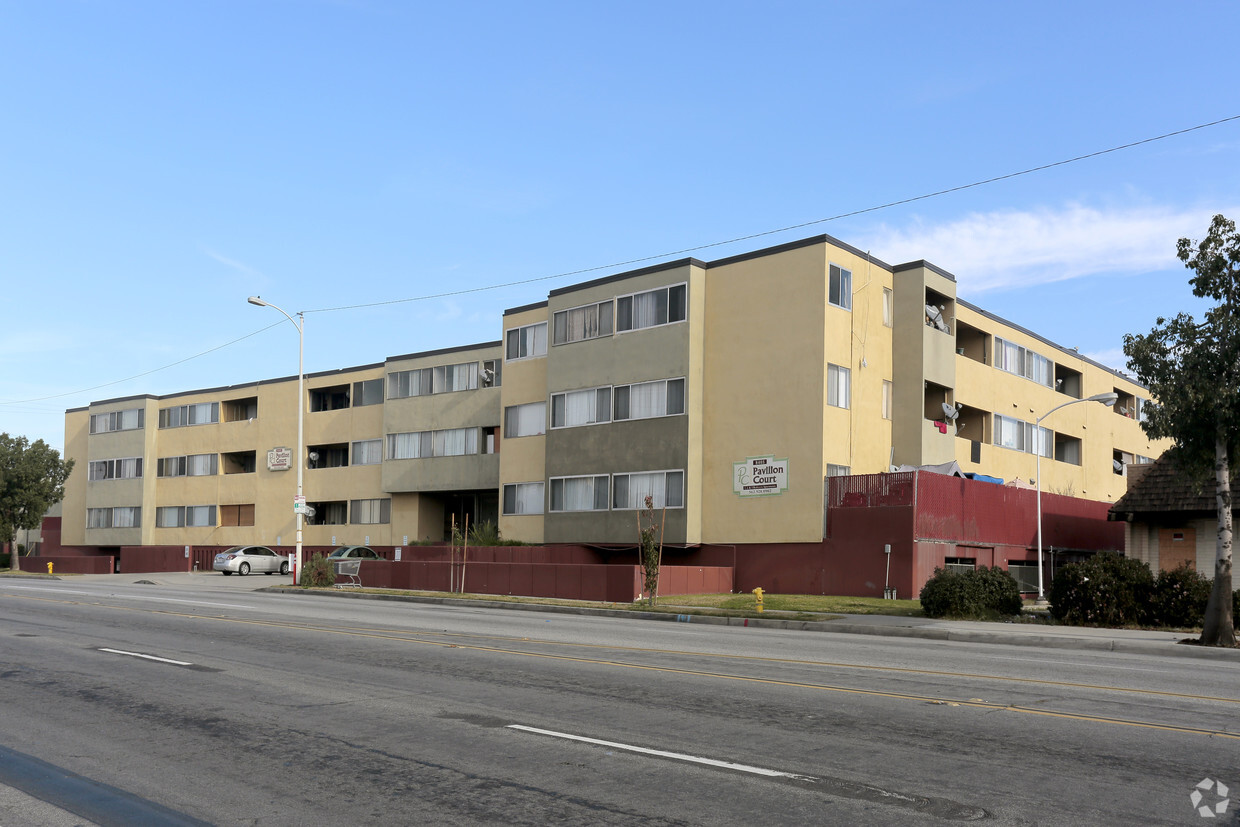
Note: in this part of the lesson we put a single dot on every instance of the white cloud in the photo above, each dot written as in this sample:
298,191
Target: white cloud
1014,248
233,263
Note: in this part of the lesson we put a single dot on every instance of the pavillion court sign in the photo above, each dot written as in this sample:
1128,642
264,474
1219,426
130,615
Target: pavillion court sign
760,477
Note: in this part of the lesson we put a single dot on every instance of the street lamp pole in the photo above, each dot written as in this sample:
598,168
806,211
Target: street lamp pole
1108,399
299,505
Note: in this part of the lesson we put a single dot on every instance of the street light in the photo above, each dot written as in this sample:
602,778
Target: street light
1108,399
299,504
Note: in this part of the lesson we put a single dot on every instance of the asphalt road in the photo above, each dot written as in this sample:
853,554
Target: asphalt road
201,701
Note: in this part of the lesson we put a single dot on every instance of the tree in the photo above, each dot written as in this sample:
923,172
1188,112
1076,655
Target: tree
1193,371
650,548
32,480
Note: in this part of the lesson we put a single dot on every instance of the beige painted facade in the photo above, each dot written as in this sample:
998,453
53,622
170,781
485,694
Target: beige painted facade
728,391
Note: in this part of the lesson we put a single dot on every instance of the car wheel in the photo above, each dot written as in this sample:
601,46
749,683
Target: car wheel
243,569
284,568
226,573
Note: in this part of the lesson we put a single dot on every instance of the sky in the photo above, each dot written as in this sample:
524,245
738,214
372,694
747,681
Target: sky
404,172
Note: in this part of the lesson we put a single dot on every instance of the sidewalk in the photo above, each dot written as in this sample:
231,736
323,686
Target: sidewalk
1133,641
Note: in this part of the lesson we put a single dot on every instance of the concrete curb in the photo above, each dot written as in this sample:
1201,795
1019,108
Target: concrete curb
1007,638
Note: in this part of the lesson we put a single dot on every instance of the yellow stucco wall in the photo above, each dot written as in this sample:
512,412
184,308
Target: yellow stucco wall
523,459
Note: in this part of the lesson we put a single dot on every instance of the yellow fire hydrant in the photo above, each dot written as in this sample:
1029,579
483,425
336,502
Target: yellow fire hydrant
758,593
49,568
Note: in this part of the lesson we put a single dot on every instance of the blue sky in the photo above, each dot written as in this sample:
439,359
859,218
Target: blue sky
159,162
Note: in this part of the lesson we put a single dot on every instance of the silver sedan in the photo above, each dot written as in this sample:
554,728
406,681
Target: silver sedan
245,559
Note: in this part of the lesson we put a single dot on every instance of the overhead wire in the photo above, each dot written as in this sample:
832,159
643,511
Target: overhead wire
665,255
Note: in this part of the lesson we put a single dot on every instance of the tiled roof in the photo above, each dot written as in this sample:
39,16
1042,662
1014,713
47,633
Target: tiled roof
1162,487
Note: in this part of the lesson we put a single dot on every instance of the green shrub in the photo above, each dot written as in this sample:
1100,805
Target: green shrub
318,573
1180,597
485,533
981,593
1106,590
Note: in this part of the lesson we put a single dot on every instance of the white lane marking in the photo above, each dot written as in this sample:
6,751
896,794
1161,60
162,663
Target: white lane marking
147,657
710,762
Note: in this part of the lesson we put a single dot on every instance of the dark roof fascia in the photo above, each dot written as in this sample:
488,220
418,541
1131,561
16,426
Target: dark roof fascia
914,265
1066,351
442,351
525,307
630,274
117,399
796,245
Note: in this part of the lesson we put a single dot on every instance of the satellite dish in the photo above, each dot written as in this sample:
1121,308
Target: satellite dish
488,376
935,317
893,469
950,412
314,456
1118,466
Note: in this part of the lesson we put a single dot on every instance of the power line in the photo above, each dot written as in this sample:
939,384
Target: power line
789,228
632,261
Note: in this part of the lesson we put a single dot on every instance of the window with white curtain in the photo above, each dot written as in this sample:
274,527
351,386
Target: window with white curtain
368,452
526,342
121,516
664,488
203,413
194,465
888,307
643,400
838,470
584,407
405,383
450,378
839,288
370,512
652,308
368,392
838,382
886,399
175,516
579,493
129,420
453,442
525,420
523,498
128,468
1013,358
581,323
1023,436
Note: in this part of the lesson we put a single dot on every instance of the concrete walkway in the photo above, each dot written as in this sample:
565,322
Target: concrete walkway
1136,641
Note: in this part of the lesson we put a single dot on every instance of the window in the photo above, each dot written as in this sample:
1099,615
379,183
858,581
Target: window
371,512
1143,406
1067,449
368,452
1016,359
492,373
525,420
334,512
368,392
838,381
886,399
240,462
652,308
123,516
1023,436
238,410
838,470
194,465
663,397
664,488
129,468
409,383
451,378
527,342
523,498
203,413
237,514
331,455
190,516
579,493
335,398
129,420
582,323
584,407
449,443
888,307
839,288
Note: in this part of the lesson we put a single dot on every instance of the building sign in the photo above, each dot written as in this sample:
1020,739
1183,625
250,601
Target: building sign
279,459
760,475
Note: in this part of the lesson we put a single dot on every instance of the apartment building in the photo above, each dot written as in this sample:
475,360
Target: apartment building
726,392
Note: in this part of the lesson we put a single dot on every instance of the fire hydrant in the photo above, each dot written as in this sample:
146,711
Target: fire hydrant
49,568
758,593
